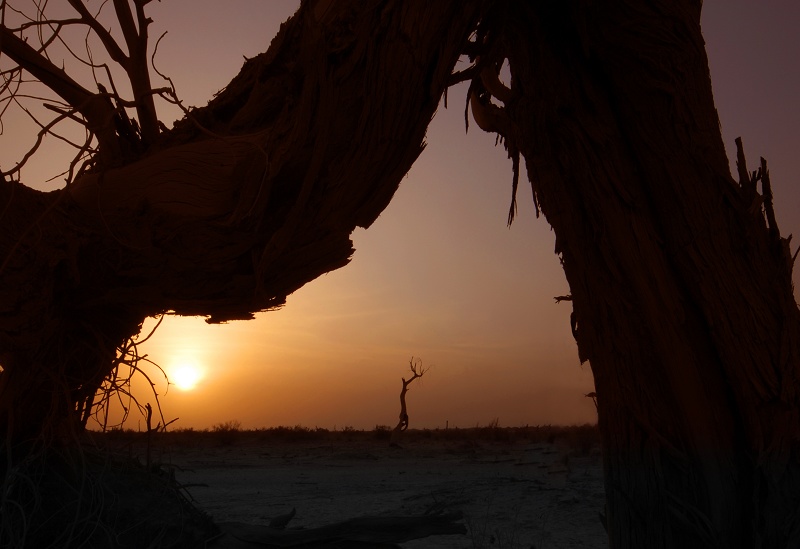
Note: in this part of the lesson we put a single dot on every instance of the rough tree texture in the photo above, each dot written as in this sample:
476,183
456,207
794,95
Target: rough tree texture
681,291
232,210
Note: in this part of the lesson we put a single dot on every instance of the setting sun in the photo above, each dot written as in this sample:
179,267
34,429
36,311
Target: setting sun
186,376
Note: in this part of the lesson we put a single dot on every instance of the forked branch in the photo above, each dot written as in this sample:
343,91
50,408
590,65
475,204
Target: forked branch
97,110
135,62
137,69
103,113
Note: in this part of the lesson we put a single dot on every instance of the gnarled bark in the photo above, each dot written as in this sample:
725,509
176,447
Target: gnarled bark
238,206
681,292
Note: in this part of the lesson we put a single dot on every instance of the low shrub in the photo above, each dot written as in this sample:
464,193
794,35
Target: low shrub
382,432
291,434
227,432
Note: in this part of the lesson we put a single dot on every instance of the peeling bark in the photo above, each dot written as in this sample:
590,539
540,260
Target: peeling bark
238,206
682,297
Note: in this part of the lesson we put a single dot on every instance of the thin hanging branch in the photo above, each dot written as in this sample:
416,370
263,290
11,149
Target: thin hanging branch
487,55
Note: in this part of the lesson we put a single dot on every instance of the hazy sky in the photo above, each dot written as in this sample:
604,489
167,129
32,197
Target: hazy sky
439,275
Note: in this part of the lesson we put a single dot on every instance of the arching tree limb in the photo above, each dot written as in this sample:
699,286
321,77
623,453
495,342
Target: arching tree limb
236,207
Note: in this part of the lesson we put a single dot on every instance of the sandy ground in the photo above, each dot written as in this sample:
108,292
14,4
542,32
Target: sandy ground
512,494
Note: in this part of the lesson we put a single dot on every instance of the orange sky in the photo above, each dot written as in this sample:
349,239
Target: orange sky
439,275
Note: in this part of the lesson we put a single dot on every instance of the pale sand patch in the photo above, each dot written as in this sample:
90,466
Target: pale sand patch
512,494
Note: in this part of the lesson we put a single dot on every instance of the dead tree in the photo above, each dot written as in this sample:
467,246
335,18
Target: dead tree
679,276
415,365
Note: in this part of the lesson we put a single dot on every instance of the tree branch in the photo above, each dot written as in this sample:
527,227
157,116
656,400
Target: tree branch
183,228
98,112
137,69
125,18
42,69
105,37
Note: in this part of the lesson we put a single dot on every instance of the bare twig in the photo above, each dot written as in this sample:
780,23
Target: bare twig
46,129
26,42
97,111
105,37
118,383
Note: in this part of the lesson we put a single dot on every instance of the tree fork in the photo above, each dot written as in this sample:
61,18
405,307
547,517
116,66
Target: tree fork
96,109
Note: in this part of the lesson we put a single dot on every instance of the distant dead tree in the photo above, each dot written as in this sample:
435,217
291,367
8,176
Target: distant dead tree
415,364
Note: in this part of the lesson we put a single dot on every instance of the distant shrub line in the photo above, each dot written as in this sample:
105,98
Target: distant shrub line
581,438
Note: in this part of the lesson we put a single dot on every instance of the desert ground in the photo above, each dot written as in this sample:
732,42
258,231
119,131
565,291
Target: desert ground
530,487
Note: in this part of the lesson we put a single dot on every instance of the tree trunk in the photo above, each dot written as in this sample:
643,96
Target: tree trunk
239,205
681,291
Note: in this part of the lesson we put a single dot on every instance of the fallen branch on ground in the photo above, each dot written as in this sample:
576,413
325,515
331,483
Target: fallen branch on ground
369,531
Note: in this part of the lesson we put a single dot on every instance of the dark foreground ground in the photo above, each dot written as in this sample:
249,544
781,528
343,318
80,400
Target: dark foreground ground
516,487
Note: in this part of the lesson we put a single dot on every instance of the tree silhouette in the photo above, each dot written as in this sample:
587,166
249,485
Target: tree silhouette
415,365
680,280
